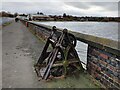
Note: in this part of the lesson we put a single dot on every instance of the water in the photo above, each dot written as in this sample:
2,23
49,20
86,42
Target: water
101,29
5,19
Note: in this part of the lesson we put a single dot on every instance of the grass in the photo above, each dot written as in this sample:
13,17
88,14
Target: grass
81,81
6,24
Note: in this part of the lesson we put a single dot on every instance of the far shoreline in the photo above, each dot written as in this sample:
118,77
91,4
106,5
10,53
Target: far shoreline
73,21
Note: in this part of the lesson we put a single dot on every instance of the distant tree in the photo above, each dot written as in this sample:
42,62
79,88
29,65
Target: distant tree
3,13
24,14
41,13
38,13
6,14
10,15
15,14
64,15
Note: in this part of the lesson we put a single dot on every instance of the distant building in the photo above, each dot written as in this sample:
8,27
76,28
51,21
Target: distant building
40,17
21,17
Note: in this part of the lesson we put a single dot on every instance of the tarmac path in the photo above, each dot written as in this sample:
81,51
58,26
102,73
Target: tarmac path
17,61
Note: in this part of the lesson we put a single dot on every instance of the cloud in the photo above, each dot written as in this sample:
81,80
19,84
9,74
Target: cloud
32,7
60,0
96,8
112,6
82,5
60,7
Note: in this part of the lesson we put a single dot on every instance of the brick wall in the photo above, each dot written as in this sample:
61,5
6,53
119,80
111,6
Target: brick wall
104,67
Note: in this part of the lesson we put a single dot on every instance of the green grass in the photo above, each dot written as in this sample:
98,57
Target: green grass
6,24
83,81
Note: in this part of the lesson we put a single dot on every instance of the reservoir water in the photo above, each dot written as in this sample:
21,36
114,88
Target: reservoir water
100,29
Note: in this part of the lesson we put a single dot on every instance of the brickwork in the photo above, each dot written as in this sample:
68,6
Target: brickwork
104,67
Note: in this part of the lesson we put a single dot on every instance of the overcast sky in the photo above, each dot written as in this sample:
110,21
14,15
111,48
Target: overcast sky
58,7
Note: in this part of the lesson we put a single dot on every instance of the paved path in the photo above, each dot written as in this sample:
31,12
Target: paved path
20,50
17,65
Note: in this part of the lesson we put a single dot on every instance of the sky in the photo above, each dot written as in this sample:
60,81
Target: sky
58,7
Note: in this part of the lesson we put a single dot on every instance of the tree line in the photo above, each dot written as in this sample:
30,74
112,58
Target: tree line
8,14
